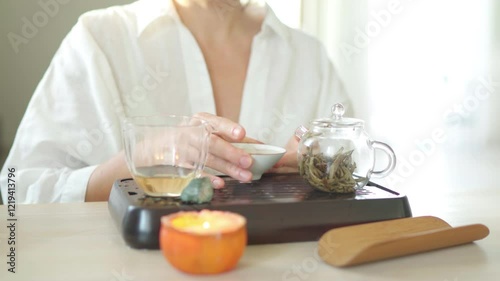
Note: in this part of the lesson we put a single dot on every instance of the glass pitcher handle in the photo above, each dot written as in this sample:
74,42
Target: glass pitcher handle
392,159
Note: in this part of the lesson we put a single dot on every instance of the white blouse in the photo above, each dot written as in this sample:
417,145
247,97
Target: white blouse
139,59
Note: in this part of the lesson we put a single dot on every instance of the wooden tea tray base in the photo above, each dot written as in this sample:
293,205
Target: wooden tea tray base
279,208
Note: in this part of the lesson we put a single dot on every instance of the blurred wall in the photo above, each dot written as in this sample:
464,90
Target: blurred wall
332,21
31,31
494,109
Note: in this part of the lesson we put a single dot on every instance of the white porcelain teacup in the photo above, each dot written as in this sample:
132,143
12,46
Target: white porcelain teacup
264,157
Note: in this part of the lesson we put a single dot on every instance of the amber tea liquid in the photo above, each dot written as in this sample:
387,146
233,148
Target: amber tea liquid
163,180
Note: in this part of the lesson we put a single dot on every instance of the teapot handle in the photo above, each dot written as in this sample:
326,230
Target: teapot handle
300,132
392,159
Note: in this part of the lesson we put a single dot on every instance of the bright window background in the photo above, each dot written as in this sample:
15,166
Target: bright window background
416,71
419,68
424,66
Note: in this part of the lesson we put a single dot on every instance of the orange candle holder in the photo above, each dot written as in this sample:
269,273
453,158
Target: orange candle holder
205,242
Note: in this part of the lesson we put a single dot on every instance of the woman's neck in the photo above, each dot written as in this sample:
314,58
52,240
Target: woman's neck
216,19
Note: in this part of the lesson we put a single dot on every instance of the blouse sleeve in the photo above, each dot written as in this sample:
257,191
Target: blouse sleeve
69,126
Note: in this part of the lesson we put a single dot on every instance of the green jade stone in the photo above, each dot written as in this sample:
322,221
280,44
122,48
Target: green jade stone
198,191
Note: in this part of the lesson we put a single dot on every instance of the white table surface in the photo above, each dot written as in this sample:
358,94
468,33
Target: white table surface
81,242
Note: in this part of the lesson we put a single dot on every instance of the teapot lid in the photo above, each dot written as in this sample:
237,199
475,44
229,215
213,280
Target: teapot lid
337,119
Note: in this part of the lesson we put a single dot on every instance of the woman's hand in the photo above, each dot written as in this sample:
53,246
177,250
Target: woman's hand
288,163
223,156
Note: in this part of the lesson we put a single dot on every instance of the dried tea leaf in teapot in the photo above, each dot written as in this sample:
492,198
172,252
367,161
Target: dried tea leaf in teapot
331,174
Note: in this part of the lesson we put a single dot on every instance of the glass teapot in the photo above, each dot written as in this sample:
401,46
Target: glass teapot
336,154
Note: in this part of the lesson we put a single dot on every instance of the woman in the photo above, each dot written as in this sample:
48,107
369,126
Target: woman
235,65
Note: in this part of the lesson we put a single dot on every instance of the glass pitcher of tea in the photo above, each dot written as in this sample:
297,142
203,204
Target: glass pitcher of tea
165,152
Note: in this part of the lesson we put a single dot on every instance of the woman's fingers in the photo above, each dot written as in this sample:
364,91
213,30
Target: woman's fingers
224,127
228,159
283,170
216,181
223,156
228,168
224,150
251,140
287,164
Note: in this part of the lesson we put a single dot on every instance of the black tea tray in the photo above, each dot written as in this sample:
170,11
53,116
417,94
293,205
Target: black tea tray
279,208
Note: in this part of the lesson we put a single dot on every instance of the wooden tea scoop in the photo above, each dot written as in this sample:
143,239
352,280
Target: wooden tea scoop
369,242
